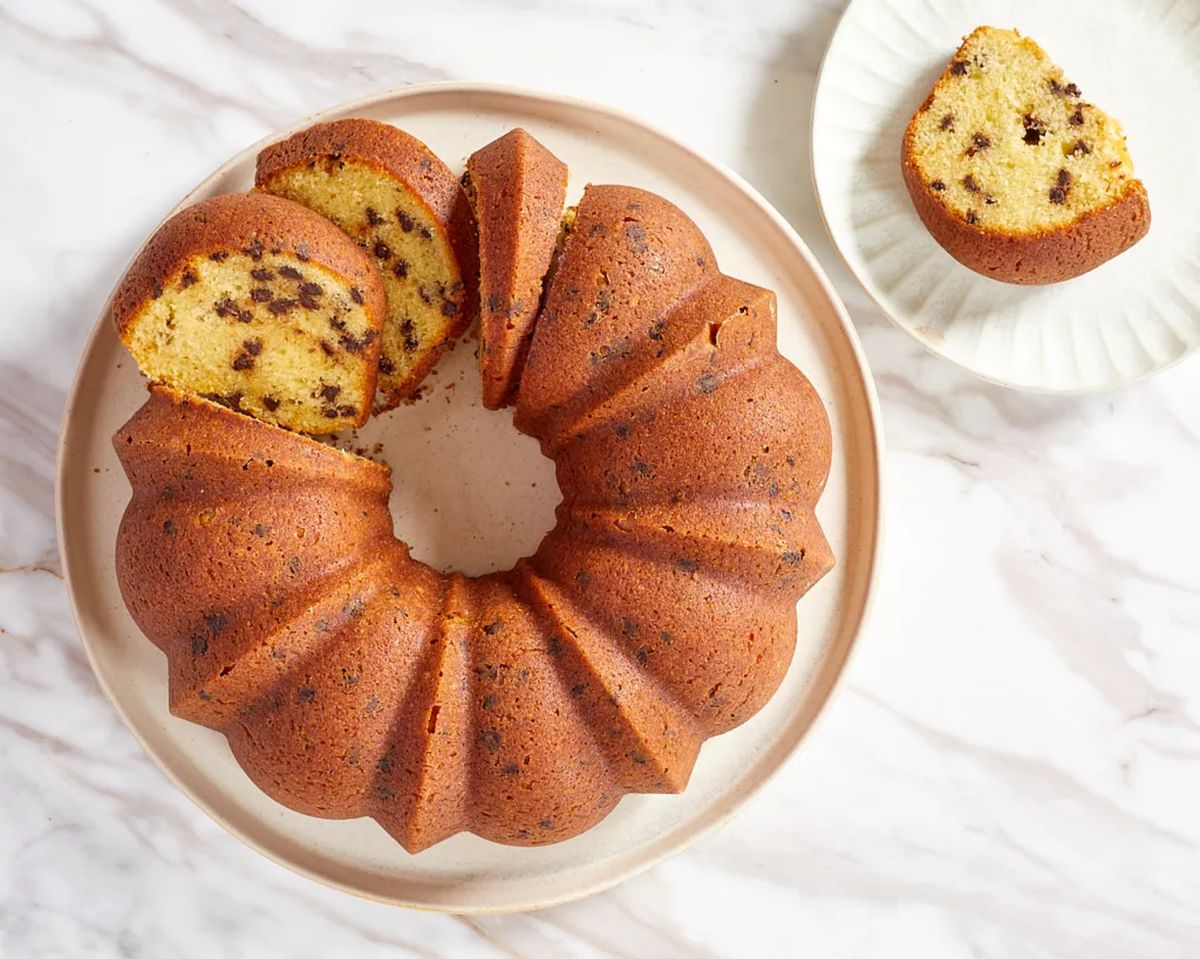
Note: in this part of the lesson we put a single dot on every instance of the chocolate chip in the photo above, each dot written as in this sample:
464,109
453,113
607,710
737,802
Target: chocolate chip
510,769
971,217
260,530
386,365
356,344
1035,129
1076,118
187,279
493,627
1071,90
426,296
289,272
958,68
348,411
707,384
294,565
168,527
687,565
330,392
199,645
155,288
1080,149
281,305
312,289
947,122
489,739
426,233
243,361
970,184
937,186
793,557
449,308
555,646
1064,178
253,347
302,252
305,694
978,142
382,250
254,250
356,295
330,412
309,302
218,256
583,579
400,268
260,294
635,233
216,622
262,274
373,216
406,222
270,403
328,348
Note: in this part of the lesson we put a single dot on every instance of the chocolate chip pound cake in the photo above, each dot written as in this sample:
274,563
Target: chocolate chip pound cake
261,304
517,188
1014,173
404,206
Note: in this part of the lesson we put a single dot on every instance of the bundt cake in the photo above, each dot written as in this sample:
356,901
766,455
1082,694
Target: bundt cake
1013,173
260,303
352,680
404,206
517,188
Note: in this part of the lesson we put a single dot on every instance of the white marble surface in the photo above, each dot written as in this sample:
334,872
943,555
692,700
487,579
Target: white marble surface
1012,768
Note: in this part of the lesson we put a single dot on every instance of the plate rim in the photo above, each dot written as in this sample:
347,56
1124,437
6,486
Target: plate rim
868,286
825,681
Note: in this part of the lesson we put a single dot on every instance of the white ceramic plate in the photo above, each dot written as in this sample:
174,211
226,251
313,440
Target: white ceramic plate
497,503
1136,314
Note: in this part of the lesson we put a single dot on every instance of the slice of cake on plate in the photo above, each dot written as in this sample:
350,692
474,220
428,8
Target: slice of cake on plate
1014,173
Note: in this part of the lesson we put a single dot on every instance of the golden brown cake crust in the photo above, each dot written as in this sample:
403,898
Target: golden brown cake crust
517,188
235,223
403,157
351,680
1037,258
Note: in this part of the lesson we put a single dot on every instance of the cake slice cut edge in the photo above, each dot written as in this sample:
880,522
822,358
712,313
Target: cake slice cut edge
1014,173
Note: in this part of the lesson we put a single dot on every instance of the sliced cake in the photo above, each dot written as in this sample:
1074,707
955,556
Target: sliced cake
517,188
261,304
402,204
1014,173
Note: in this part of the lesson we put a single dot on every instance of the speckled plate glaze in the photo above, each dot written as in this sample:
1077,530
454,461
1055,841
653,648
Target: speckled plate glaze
1139,313
496,506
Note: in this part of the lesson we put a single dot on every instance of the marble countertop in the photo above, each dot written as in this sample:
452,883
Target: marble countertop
1012,768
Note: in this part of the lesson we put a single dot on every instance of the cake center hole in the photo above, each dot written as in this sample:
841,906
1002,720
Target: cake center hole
469,492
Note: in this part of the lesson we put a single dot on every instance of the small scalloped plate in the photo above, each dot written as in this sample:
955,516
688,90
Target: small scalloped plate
498,504
1139,313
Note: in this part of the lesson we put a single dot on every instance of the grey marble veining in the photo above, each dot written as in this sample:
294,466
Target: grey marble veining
1012,768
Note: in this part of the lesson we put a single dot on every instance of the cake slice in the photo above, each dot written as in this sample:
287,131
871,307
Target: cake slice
1014,173
261,304
404,206
517,188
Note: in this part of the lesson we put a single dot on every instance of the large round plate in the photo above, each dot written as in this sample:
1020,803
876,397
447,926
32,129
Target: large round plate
448,434
1136,314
